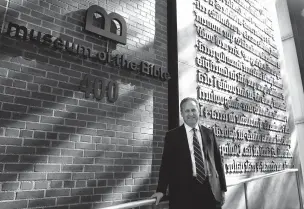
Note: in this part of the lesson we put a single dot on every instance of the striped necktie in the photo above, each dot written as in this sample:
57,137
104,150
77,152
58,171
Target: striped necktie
200,167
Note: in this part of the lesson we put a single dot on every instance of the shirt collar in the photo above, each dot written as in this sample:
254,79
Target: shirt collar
188,128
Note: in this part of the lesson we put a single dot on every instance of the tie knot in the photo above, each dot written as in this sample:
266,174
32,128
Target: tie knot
194,130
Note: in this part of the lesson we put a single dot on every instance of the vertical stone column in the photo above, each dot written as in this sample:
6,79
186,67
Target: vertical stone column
186,36
293,83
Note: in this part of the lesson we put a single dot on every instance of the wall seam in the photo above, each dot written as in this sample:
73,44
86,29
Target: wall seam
289,36
4,16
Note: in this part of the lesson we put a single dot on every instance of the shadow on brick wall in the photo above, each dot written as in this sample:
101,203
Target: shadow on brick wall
51,131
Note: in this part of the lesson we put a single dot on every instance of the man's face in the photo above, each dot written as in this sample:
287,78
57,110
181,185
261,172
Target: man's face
190,113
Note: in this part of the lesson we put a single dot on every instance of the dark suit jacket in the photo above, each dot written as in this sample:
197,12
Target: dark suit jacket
176,167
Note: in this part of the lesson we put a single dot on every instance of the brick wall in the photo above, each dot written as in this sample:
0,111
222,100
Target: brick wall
59,149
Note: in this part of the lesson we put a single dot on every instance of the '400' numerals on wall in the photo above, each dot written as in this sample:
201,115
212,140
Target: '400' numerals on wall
99,87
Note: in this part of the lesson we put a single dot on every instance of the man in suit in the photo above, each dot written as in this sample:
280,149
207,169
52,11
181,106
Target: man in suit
191,164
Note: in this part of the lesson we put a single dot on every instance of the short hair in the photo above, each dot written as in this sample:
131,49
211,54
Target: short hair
186,100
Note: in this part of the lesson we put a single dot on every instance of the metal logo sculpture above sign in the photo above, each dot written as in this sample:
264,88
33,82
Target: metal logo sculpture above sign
106,30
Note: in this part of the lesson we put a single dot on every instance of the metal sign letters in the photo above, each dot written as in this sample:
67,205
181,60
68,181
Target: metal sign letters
106,30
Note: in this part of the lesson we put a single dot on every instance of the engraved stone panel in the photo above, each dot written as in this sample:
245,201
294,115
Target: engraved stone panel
239,84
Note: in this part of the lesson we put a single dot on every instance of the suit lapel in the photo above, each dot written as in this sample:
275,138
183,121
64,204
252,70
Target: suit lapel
184,139
207,142
185,144
205,139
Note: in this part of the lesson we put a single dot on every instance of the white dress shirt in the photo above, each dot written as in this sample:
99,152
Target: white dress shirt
189,132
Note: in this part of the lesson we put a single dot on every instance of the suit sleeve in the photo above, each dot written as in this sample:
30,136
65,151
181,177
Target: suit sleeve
163,179
219,165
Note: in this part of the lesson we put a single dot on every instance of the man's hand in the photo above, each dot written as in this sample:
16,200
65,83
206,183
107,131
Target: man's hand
223,198
157,196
